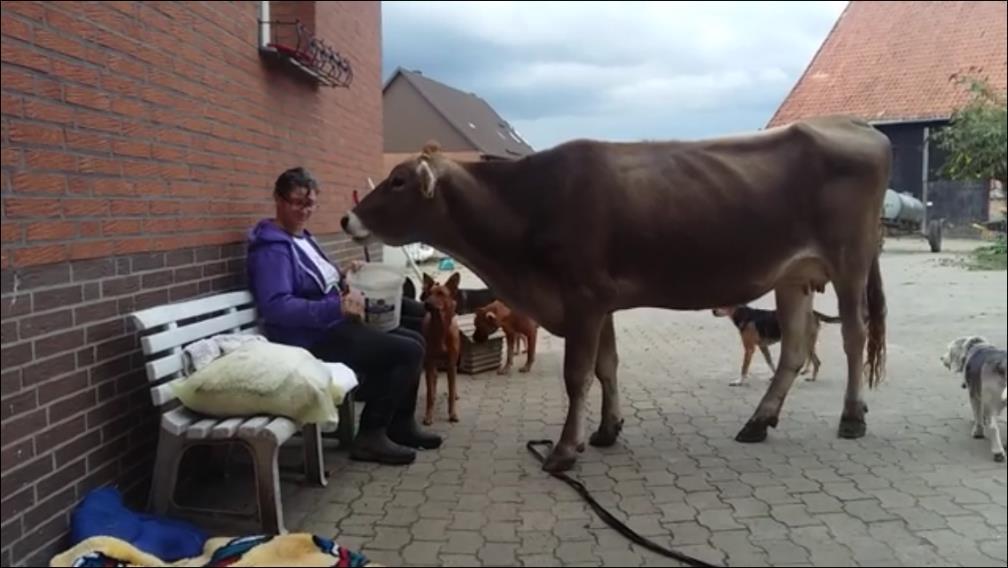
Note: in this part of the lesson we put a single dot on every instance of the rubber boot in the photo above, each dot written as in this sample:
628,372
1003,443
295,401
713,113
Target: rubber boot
374,445
406,432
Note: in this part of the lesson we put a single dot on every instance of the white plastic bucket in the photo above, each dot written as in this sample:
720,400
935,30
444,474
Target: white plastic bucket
381,286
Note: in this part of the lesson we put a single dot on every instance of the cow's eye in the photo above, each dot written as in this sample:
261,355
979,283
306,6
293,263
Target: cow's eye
397,183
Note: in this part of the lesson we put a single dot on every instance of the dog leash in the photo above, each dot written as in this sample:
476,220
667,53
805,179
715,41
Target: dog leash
609,518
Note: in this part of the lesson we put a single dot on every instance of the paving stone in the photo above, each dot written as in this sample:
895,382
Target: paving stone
573,552
430,529
748,507
821,503
421,553
497,554
459,560
718,520
462,542
793,515
780,552
540,560
501,532
389,538
688,533
765,528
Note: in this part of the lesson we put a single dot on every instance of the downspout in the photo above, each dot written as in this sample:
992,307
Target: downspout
924,177
264,24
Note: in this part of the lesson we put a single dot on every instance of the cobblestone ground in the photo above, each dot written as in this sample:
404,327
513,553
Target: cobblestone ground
917,490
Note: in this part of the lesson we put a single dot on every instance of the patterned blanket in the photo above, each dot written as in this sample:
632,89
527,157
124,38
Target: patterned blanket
263,550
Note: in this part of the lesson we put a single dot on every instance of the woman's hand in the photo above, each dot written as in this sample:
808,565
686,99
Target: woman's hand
354,266
353,304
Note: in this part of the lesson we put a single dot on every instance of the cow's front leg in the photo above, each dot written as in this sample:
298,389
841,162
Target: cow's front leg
580,348
606,362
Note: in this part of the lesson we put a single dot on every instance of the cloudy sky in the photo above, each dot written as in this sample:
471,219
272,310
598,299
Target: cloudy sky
612,70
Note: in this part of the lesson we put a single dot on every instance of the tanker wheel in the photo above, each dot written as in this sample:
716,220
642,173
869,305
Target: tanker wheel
934,235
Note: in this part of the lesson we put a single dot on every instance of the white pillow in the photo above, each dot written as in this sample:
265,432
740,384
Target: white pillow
264,378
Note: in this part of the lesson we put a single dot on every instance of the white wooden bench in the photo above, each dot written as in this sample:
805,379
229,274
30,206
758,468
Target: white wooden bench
166,330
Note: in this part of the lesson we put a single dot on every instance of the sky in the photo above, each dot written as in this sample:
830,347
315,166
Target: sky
612,70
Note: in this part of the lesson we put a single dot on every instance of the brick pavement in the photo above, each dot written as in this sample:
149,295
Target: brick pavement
917,490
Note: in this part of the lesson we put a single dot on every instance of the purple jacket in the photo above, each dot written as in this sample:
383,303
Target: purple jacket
287,288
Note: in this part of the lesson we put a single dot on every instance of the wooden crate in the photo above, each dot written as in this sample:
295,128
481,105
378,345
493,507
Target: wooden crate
478,357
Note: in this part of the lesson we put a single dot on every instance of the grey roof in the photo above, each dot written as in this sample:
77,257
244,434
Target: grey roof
473,117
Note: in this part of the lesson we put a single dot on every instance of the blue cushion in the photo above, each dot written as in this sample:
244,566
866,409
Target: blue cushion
102,513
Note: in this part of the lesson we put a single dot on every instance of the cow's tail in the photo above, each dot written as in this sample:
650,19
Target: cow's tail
876,325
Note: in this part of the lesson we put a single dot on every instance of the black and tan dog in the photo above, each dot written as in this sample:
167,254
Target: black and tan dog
760,328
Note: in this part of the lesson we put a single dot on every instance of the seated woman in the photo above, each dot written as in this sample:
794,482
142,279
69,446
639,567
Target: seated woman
304,301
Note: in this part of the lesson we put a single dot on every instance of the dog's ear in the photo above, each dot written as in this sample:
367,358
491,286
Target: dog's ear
453,282
491,316
428,282
972,342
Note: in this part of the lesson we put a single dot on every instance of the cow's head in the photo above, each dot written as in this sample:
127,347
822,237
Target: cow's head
399,208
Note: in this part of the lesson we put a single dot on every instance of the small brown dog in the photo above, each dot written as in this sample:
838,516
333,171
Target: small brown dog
516,325
441,332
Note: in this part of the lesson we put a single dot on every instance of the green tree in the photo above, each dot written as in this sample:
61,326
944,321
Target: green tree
977,135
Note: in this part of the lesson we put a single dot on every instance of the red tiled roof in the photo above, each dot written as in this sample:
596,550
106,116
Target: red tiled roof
891,61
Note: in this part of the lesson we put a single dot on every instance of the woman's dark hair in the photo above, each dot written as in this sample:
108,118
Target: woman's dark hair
293,179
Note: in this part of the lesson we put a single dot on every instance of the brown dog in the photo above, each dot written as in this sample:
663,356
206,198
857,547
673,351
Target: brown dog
441,332
516,326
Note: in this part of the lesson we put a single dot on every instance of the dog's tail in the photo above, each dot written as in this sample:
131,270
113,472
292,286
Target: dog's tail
1000,367
876,325
825,318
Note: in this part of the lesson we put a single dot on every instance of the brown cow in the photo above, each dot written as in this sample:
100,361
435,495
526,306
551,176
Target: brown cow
571,234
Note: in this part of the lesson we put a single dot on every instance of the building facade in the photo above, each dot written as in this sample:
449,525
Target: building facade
140,143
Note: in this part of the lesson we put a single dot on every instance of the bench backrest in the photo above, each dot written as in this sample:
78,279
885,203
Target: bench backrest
169,328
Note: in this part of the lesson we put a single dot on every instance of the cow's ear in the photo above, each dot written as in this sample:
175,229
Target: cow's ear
428,179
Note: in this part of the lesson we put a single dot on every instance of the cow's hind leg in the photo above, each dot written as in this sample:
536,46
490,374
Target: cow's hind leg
605,369
580,349
793,306
850,290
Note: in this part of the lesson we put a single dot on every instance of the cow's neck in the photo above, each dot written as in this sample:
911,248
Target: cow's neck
485,232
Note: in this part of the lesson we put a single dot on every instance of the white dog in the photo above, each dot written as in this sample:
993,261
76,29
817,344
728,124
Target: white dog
983,370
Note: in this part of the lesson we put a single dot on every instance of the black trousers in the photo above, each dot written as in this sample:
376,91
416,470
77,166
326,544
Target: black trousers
388,364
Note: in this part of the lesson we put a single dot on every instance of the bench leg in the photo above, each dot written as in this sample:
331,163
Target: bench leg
314,461
169,454
347,422
265,453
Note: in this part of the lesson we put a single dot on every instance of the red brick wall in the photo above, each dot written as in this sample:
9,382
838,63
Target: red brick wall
140,141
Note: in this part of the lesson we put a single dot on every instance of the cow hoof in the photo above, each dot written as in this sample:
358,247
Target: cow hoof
581,448
754,431
999,458
559,460
852,428
605,437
